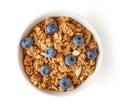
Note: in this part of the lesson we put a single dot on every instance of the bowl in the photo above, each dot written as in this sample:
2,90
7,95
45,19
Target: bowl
82,21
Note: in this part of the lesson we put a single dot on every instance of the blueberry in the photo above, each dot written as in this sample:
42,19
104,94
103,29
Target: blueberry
50,52
45,70
51,28
91,54
65,83
78,40
27,42
70,60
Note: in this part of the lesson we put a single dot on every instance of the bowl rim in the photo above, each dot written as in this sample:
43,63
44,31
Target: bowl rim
81,20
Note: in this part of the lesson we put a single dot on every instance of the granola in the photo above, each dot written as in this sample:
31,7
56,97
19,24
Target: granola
62,41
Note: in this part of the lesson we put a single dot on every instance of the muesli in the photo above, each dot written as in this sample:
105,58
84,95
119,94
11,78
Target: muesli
59,54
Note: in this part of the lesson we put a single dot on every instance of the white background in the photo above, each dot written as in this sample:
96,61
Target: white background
15,90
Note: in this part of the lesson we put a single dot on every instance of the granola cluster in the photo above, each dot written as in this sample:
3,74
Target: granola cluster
34,57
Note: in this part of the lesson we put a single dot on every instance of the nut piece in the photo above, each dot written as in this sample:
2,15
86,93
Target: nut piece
78,71
71,88
75,52
82,78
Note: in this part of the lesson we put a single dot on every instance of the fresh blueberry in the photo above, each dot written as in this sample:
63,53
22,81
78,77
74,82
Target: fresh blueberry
65,83
70,60
91,54
27,42
45,70
50,52
51,28
78,40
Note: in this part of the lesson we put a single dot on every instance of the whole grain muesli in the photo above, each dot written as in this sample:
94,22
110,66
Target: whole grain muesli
48,68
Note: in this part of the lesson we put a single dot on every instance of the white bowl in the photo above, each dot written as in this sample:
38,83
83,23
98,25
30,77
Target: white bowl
82,21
